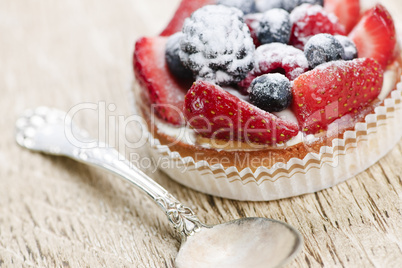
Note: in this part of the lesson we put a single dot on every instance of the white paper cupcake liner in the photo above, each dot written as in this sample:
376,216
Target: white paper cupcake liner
356,151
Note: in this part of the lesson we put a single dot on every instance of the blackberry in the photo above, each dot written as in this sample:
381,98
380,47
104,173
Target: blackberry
247,6
173,61
275,27
288,5
217,45
271,92
349,47
323,48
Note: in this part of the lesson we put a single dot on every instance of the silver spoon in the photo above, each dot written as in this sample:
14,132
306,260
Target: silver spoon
248,242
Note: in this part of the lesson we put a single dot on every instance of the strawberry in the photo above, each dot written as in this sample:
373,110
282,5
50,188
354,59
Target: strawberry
215,113
375,36
151,71
347,11
309,20
184,11
334,89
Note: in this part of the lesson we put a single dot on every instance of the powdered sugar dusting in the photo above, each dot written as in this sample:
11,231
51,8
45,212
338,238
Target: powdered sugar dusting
275,79
217,45
322,48
288,5
309,20
254,19
269,54
264,5
339,64
348,46
247,6
275,26
310,10
304,10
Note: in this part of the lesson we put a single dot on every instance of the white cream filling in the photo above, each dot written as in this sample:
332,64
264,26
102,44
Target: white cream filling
389,82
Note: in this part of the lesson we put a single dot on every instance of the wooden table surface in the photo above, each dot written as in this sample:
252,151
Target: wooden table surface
57,213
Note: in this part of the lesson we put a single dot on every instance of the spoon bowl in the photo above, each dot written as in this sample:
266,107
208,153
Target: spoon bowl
247,242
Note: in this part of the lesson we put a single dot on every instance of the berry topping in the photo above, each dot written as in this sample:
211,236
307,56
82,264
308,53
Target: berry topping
323,48
276,58
374,35
174,63
274,27
334,89
271,92
347,11
309,20
247,6
217,45
165,93
184,11
215,113
289,5
348,46
253,23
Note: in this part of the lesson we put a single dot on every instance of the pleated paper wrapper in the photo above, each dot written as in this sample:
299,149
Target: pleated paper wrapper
355,152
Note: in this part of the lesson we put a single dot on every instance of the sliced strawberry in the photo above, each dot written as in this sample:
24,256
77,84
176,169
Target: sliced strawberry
334,89
309,20
185,9
151,71
276,58
375,36
215,113
347,11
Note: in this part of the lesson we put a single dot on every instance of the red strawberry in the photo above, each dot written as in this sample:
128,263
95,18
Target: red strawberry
253,22
185,9
152,73
309,20
334,89
375,36
215,113
276,58
347,11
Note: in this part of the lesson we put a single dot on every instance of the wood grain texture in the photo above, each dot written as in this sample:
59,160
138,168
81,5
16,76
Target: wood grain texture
57,213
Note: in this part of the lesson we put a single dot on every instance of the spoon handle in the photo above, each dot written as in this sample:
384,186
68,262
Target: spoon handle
183,219
52,131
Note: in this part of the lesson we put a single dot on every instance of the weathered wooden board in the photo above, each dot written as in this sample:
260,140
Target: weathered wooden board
57,213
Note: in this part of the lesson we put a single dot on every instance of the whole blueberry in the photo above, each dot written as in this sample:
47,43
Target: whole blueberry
173,61
271,92
323,48
349,47
275,27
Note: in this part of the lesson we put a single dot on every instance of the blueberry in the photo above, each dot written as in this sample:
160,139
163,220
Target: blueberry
323,48
275,27
174,63
271,92
247,6
348,46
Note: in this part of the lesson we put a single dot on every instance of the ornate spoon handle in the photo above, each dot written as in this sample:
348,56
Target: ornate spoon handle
51,131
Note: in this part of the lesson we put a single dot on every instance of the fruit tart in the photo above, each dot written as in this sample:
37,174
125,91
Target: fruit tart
261,100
